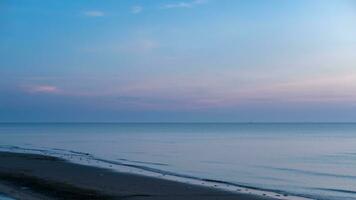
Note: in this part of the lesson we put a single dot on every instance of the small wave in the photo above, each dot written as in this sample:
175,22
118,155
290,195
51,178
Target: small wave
300,171
337,190
143,162
350,154
234,184
71,151
150,169
273,179
24,149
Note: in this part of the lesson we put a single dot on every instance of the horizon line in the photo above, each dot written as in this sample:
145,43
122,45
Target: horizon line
181,122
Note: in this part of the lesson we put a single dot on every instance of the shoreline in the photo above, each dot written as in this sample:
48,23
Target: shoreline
86,159
31,176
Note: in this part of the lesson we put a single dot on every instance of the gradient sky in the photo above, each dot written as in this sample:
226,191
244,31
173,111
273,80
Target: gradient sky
178,60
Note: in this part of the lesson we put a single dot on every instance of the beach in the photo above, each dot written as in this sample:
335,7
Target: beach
245,158
31,176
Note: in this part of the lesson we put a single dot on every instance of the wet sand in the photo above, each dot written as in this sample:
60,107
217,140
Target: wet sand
29,176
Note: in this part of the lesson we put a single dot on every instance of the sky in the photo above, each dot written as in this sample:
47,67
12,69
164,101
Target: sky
177,61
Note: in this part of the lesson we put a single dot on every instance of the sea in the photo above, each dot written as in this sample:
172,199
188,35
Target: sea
306,160
3,197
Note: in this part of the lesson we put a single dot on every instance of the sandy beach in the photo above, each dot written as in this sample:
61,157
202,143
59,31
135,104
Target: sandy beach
29,176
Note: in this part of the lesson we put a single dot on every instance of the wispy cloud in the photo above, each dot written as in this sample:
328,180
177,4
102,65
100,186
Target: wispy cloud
138,46
41,89
136,9
146,45
93,13
183,4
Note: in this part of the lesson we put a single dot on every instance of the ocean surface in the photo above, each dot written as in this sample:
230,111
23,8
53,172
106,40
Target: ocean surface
3,197
317,161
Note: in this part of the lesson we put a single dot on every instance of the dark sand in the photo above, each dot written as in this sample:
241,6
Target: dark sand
28,176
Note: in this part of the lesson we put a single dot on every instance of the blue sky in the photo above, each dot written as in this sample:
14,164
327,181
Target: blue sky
184,60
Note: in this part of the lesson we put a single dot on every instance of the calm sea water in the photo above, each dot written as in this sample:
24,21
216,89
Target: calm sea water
3,197
312,160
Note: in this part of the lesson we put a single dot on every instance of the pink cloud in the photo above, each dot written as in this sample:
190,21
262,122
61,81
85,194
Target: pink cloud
42,89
